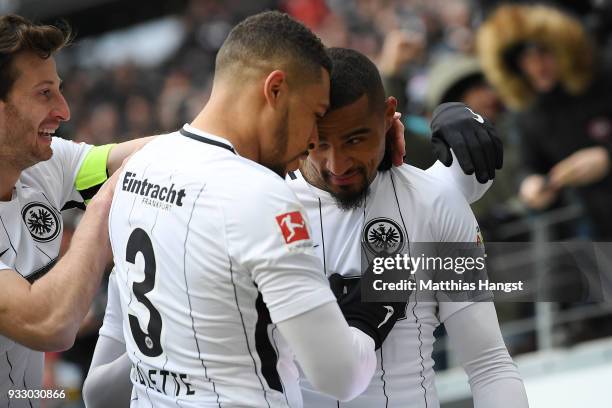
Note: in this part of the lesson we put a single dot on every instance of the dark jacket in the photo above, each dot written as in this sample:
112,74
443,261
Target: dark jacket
575,115
558,124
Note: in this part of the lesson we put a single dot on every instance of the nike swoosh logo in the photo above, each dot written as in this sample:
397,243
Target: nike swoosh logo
476,116
390,312
3,252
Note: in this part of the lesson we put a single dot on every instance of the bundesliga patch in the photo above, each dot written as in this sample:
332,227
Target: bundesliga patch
293,227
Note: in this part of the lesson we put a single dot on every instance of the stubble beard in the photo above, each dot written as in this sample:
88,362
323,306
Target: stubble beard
347,199
17,132
280,147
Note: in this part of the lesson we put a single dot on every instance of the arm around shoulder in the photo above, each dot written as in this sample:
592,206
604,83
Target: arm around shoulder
46,315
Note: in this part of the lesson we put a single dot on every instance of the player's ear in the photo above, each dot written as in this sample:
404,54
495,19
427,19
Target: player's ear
275,88
390,107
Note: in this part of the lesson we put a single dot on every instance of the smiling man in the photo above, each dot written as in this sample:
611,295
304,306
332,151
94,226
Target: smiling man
43,299
350,190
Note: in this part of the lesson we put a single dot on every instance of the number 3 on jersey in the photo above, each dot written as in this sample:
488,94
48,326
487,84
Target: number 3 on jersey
149,343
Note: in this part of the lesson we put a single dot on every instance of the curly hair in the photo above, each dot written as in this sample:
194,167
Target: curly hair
18,35
270,38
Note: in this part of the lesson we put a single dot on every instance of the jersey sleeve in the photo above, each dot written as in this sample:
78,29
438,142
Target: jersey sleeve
456,224
493,376
112,325
4,266
92,171
82,169
68,157
268,235
467,184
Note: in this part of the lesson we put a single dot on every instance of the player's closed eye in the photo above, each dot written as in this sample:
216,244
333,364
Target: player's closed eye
322,145
354,140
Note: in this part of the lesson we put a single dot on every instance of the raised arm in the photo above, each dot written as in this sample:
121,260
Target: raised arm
467,148
472,138
46,314
465,144
121,151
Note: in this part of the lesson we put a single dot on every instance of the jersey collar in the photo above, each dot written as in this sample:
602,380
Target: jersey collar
196,134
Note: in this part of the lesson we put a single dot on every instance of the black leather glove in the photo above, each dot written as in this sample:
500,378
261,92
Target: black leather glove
472,138
373,318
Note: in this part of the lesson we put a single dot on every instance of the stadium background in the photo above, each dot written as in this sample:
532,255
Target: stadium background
144,67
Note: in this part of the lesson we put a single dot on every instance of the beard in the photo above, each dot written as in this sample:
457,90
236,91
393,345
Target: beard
279,149
14,141
349,198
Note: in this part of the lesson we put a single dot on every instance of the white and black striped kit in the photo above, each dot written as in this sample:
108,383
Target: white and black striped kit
424,207
30,236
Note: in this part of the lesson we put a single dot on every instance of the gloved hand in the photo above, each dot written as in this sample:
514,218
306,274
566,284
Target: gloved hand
373,318
472,138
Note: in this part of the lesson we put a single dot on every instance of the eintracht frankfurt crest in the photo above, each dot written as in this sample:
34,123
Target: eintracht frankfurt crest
42,222
383,236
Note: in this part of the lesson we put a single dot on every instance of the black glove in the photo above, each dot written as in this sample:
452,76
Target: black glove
373,318
472,138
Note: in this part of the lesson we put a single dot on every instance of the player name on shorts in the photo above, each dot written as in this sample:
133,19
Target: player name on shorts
153,194
163,381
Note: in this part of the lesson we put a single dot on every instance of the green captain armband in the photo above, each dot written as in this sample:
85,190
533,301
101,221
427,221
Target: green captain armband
92,173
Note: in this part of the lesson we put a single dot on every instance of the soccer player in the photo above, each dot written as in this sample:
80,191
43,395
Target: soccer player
111,364
209,242
348,196
43,299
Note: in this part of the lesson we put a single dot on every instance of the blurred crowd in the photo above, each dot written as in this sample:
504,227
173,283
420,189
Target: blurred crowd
539,72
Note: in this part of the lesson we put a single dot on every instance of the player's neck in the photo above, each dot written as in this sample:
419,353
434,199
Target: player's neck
216,119
8,179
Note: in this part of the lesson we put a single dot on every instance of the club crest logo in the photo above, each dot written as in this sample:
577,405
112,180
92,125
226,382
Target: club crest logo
42,221
383,236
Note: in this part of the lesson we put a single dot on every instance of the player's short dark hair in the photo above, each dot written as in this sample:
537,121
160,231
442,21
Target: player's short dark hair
353,76
273,37
17,35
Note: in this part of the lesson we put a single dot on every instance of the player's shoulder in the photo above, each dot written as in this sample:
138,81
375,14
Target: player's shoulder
162,143
254,181
427,187
65,144
63,150
49,172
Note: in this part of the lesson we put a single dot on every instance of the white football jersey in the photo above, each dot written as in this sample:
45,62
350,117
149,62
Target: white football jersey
30,235
209,249
413,206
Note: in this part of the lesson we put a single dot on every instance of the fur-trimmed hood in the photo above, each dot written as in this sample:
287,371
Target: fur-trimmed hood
512,25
